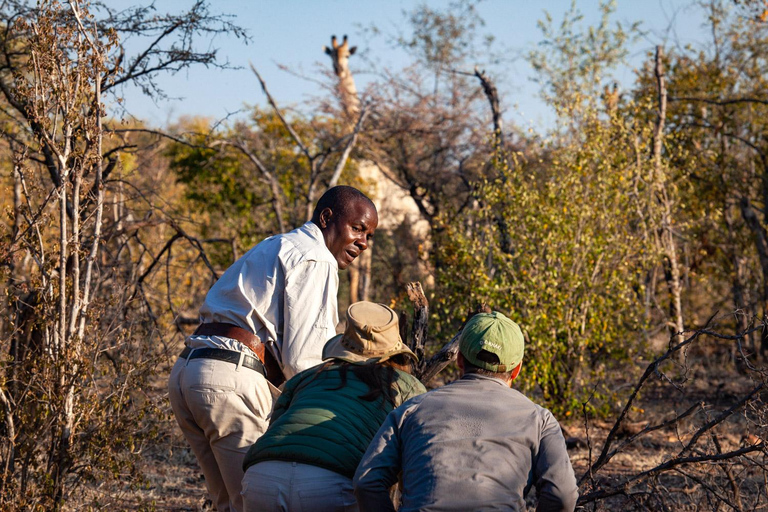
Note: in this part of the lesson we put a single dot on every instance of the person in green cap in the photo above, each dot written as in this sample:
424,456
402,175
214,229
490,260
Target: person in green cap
475,444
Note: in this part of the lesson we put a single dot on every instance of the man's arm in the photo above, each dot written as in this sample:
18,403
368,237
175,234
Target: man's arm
309,314
553,472
379,468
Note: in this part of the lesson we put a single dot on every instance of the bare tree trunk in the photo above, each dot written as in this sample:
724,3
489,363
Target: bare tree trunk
96,239
761,244
669,245
737,285
364,286
7,452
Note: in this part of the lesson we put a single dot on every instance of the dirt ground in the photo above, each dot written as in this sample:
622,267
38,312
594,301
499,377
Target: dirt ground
169,479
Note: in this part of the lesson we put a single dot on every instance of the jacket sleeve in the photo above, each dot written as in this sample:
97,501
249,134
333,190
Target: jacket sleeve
309,314
553,473
379,468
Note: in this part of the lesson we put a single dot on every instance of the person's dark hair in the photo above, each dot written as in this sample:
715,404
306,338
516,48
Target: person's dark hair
379,377
339,199
486,357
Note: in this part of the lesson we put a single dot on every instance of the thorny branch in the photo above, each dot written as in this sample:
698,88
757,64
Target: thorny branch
688,454
652,369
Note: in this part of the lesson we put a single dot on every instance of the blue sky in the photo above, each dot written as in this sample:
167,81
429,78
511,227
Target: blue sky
292,33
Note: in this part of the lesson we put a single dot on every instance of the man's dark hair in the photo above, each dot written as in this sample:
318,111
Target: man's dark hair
486,357
339,199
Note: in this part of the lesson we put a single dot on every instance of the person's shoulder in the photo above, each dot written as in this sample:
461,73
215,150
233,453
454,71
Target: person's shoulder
408,385
406,377
544,415
305,243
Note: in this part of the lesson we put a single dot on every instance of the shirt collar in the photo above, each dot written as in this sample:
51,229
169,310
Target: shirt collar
314,232
477,376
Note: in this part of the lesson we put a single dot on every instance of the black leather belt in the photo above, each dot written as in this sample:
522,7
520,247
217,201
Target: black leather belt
221,354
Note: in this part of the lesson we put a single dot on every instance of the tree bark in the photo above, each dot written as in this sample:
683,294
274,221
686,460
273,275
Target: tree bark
669,245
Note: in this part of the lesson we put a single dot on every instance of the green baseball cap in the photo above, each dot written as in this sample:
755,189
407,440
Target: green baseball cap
494,333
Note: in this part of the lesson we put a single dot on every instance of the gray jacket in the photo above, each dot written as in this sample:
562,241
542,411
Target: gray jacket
475,444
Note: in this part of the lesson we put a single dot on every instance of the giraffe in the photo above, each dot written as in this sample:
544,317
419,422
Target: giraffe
340,54
350,101
394,204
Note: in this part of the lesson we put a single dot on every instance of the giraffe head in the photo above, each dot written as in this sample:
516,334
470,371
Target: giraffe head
340,54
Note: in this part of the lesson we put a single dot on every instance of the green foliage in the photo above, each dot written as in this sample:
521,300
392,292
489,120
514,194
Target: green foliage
574,63
571,272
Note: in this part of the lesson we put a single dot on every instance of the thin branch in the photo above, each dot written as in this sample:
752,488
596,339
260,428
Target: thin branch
285,122
159,134
730,101
348,148
719,419
672,463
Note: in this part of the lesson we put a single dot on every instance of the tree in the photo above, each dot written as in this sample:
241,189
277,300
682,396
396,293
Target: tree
715,102
71,410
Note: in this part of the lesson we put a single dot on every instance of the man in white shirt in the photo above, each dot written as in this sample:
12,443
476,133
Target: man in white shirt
281,293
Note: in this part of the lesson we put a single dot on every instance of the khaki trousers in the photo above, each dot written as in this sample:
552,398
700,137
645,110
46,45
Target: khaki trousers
280,486
222,410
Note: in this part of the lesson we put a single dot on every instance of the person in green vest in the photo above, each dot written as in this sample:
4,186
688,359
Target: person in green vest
326,416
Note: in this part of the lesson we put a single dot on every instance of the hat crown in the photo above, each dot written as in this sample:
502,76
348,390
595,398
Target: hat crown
372,329
372,333
494,333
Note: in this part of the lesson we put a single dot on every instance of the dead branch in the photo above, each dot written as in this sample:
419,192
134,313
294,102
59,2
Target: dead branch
719,419
665,466
159,133
420,318
448,353
606,453
493,98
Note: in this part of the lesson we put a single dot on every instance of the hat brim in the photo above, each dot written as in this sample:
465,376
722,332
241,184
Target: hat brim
334,349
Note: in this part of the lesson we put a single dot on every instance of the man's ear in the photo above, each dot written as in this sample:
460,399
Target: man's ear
460,362
325,217
515,372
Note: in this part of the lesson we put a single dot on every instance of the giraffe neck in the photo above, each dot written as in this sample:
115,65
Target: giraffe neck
348,93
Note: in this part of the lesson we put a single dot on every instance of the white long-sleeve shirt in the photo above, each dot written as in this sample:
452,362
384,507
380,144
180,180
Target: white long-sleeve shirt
284,290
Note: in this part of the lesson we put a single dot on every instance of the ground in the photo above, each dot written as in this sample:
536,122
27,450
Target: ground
168,477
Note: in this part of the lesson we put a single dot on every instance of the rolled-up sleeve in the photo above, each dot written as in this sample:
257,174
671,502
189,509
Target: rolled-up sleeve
309,314
379,468
555,480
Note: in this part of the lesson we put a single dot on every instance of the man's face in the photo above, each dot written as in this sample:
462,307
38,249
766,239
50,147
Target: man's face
346,236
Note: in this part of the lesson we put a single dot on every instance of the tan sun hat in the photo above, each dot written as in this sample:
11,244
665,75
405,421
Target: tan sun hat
372,335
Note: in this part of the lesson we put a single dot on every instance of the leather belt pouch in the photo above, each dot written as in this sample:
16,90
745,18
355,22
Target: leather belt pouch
274,373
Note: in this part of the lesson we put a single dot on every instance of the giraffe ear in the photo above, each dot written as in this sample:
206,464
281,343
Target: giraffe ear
327,50
352,50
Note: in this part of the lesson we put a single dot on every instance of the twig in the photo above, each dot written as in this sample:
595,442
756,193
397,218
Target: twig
285,122
729,101
672,463
348,148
